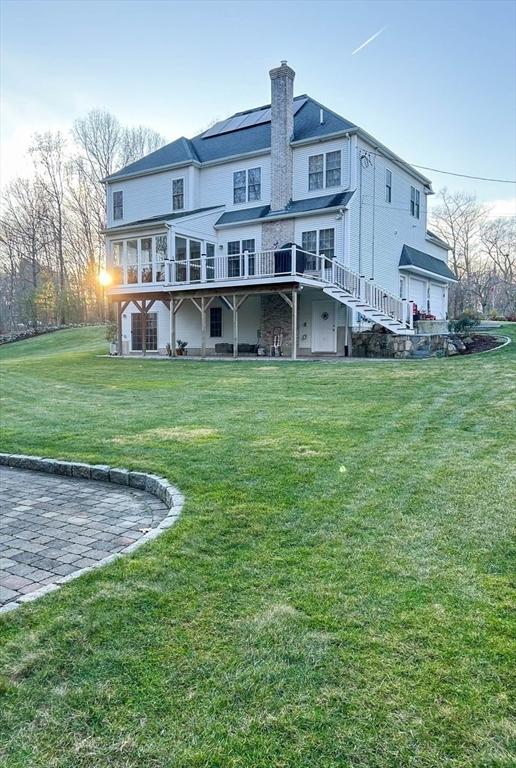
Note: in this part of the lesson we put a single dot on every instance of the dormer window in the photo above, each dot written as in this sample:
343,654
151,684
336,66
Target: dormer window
247,185
118,205
324,170
178,194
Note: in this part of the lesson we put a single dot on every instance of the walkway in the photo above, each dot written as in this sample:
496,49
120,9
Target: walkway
53,526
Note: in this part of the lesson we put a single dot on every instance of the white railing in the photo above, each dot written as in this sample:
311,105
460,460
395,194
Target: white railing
284,262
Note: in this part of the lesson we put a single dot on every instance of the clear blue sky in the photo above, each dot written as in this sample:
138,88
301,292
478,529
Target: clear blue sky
438,85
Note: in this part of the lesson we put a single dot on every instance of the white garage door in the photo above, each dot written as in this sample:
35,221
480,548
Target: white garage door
437,306
417,293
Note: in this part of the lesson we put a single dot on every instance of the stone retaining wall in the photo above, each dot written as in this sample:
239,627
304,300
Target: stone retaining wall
372,344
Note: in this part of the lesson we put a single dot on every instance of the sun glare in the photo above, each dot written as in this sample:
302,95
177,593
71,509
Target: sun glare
104,278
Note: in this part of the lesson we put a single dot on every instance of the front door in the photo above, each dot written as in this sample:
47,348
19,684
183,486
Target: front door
323,326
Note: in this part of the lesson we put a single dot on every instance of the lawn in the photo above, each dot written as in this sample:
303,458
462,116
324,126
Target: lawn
336,593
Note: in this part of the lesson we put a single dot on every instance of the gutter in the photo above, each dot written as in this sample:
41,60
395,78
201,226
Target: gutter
435,275
282,215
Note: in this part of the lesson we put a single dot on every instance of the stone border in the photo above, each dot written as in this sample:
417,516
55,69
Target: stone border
153,484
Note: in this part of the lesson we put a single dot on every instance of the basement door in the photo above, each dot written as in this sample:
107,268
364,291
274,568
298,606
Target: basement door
324,338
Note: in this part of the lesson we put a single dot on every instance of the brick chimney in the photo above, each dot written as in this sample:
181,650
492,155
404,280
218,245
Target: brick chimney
282,129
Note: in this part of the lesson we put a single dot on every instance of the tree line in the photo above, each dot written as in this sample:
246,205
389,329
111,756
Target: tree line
51,243
482,255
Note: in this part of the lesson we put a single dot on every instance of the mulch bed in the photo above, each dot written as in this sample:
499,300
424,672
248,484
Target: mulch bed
481,343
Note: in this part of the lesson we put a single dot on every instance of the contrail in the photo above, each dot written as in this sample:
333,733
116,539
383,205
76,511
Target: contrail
369,40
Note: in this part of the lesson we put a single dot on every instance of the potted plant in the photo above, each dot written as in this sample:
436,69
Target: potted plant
181,347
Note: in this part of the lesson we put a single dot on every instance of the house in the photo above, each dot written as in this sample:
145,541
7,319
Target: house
274,231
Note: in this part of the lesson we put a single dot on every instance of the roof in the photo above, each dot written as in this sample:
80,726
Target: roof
164,217
438,240
339,200
411,257
236,136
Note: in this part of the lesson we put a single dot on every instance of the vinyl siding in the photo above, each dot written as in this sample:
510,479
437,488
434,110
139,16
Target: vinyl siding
300,189
147,196
216,183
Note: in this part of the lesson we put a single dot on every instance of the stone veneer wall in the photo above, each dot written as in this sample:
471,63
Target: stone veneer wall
276,314
277,233
371,344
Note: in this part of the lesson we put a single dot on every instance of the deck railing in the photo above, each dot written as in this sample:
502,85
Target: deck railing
283,262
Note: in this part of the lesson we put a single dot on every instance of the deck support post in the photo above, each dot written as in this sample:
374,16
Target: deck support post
172,324
119,312
235,326
294,325
203,327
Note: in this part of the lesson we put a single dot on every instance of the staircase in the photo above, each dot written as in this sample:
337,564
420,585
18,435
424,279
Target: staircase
370,299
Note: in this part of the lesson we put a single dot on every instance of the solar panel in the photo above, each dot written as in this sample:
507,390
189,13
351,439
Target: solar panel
246,120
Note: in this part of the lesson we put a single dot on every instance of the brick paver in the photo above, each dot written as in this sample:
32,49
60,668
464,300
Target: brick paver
51,526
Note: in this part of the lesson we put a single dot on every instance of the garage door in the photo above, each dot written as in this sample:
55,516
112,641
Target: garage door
437,307
417,293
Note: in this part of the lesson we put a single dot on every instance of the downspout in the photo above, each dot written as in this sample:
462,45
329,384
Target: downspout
359,214
374,209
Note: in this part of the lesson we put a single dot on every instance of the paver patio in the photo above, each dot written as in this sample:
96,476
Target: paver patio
51,526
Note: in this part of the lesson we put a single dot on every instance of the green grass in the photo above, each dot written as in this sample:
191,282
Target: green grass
336,592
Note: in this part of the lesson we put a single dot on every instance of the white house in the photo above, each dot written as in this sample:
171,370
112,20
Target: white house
276,229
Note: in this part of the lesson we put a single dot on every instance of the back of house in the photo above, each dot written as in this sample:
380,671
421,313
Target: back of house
279,230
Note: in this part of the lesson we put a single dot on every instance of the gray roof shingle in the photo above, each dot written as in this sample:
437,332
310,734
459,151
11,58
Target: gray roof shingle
411,257
340,199
203,148
164,217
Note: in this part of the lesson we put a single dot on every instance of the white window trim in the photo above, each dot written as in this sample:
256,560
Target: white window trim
417,203
388,177
324,186
183,179
246,171
113,192
318,231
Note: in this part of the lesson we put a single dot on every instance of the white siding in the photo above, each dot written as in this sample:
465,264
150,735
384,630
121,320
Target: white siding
216,183
301,154
146,196
322,221
377,235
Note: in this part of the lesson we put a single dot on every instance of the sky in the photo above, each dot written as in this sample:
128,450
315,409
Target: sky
434,81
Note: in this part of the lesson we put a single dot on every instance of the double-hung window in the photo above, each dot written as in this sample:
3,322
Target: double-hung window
316,172
254,183
317,242
333,169
247,185
388,186
415,199
118,205
325,170
178,194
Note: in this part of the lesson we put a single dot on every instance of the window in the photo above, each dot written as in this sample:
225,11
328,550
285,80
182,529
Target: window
254,183
324,170
118,205
309,244
216,322
239,187
327,242
414,202
247,185
146,259
236,249
160,256
388,186
210,261
178,194
151,335
402,287
320,241
333,169
132,261
234,258
315,172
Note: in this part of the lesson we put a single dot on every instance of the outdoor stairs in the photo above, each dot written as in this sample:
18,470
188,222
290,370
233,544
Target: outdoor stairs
370,299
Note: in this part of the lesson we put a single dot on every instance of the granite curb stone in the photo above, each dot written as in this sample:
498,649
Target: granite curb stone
152,484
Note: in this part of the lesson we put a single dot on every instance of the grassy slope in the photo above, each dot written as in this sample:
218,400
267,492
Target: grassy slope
298,614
